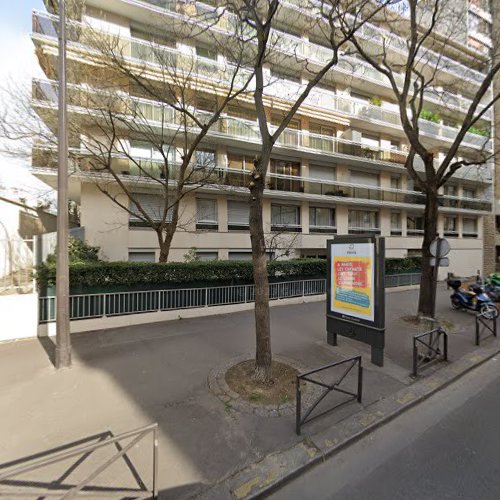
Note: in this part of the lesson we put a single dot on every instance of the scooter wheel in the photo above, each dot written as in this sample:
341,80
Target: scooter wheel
489,311
455,303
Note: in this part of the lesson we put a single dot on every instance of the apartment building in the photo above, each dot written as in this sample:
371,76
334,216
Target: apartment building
337,169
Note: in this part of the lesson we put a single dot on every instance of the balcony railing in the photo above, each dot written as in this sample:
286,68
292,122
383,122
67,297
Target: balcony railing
332,190
231,127
157,54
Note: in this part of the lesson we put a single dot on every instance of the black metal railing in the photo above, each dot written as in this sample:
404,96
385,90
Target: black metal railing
11,485
486,326
427,348
305,377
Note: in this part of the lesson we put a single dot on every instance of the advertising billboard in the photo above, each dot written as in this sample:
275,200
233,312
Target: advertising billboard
353,280
356,291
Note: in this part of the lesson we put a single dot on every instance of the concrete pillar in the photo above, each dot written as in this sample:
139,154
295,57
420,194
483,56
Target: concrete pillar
385,221
266,215
304,217
342,213
222,216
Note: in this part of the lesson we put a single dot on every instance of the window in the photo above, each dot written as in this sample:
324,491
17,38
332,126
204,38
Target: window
206,52
141,256
206,213
414,225
450,225
240,255
363,221
153,205
285,217
469,227
468,193
364,178
277,74
322,138
395,182
396,224
205,158
285,168
322,220
450,190
241,163
207,255
238,214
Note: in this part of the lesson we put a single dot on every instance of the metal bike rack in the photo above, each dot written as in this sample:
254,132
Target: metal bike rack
351,363
433,350
485,325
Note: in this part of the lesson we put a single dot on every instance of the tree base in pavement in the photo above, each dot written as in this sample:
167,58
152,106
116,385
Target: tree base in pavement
281,389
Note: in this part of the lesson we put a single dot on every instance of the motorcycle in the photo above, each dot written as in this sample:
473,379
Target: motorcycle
475,299
492,286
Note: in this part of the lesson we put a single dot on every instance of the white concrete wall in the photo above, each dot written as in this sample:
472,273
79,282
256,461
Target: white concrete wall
19,316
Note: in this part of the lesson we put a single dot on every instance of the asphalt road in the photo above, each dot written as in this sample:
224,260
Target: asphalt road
445,448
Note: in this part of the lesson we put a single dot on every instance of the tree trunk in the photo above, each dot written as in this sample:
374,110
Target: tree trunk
427,285
263,357
165,241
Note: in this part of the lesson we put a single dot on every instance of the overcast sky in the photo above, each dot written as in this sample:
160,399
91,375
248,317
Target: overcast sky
18,64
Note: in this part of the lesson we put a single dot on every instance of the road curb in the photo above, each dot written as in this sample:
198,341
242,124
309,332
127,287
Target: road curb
274,470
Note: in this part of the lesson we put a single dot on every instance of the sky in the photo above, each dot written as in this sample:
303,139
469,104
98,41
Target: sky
18,64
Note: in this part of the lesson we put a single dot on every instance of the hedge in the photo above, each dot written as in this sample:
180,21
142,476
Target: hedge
85,275
403,266
102,274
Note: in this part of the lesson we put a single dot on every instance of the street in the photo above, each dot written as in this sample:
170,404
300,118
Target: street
445,448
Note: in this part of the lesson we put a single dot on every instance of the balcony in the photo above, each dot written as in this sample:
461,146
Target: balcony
144,52
333,191
323,229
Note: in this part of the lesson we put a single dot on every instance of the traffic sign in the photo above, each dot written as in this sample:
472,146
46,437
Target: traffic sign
439,248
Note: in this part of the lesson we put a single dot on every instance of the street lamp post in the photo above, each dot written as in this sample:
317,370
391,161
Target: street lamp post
63,341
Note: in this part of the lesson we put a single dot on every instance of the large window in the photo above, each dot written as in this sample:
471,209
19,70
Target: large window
414,225
450,226
285,171
363,221
206,213
153,205
396,229
468,192
238,213
239,167
205,158
322,220
469,227
285,217
322,137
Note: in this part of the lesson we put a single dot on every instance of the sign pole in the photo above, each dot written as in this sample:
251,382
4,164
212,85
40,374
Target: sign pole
63,341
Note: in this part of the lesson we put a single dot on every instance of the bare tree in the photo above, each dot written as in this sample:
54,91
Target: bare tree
141,90
258,23
416,65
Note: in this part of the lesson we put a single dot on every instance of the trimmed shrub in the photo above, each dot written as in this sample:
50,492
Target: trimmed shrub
403,266
99,276
196,273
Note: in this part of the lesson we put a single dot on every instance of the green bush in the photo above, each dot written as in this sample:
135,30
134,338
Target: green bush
147,275
102,274
402,266
479,131
430,116
79,252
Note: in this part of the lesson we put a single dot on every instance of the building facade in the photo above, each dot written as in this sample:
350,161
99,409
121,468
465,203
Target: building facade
337,169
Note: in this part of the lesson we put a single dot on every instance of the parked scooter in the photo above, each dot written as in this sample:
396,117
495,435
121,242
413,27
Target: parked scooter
492,286
475,299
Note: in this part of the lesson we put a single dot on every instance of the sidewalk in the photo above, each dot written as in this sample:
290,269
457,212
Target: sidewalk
128,377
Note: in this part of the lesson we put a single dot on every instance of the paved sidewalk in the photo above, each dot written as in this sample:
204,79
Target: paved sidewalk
128,377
